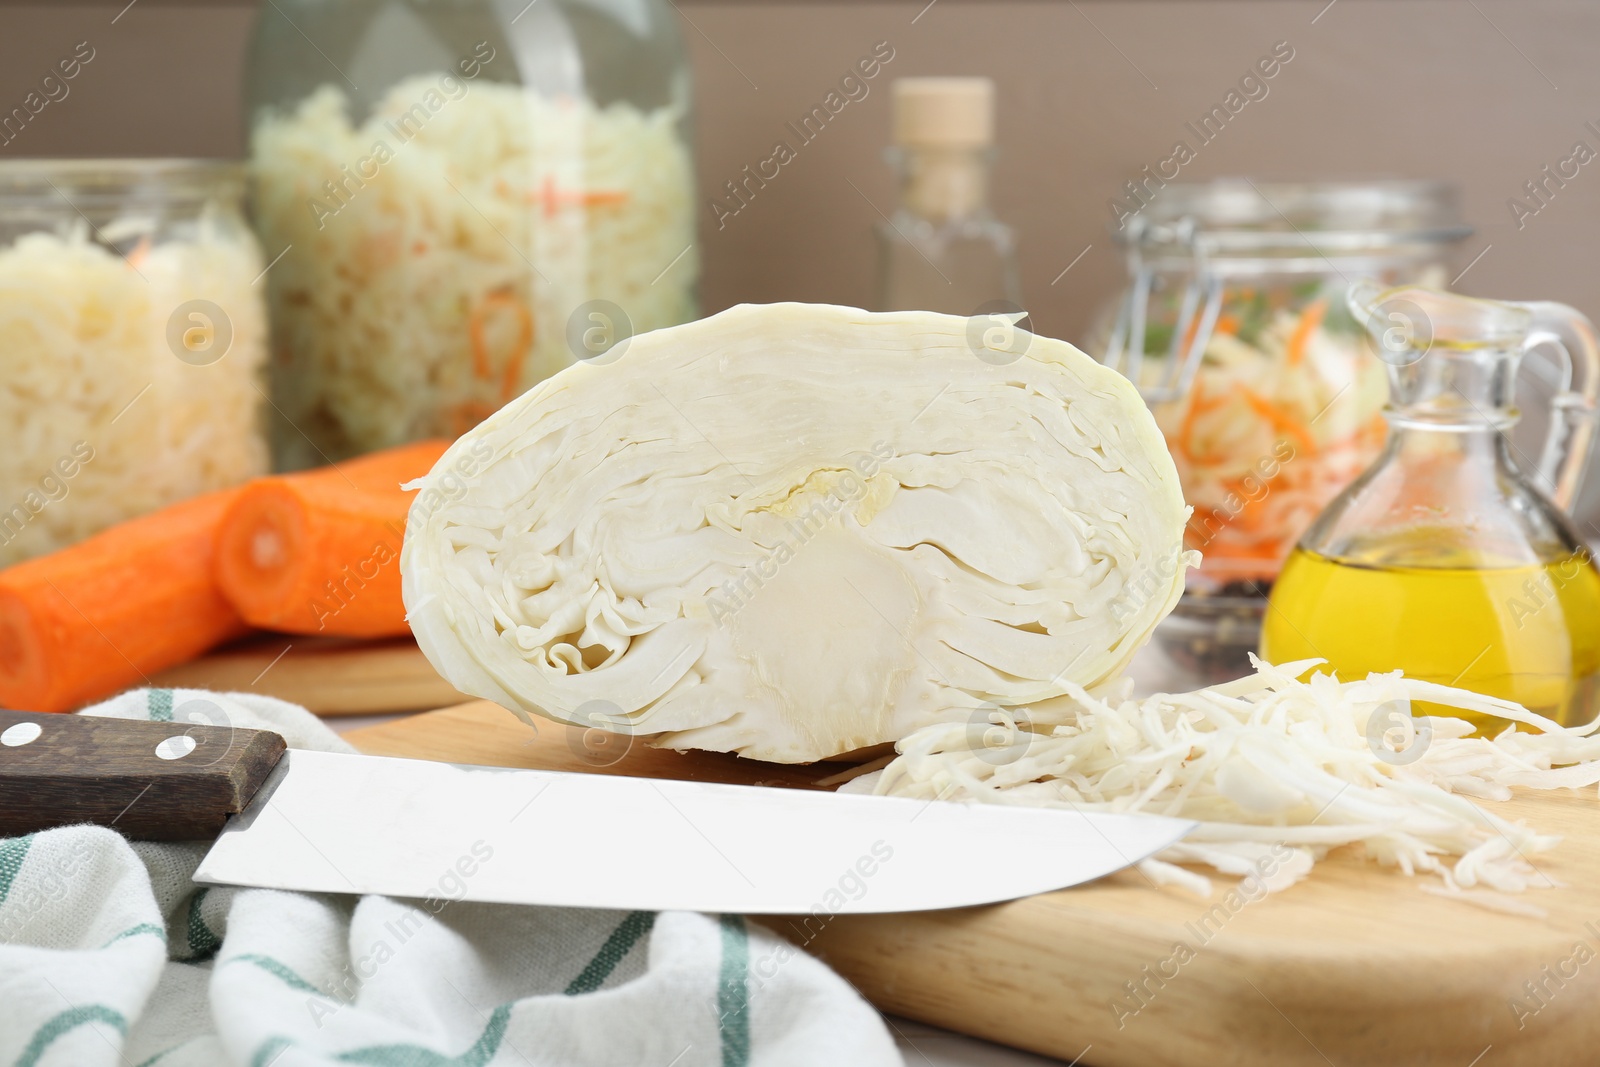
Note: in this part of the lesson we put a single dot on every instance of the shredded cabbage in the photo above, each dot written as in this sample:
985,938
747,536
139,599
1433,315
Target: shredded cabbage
438,283
85,357
1271,760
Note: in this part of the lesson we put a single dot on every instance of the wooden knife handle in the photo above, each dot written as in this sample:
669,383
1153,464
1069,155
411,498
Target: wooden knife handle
150,781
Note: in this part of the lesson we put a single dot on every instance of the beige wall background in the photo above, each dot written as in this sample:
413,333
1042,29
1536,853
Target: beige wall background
1484,92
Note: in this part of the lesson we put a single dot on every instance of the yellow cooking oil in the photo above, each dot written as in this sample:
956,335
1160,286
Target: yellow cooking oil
1525,632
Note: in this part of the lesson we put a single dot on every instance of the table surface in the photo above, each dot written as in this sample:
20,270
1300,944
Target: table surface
926,1046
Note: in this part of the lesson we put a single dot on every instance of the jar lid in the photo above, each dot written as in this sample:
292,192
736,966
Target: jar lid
943,112
1237,216
117,181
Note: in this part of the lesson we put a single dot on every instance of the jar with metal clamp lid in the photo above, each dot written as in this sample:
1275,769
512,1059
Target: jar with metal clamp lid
1235,327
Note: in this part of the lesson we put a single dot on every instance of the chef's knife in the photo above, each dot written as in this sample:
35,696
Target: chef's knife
339,823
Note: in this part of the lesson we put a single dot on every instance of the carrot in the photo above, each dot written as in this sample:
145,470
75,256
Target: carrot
96,618
317,552
469,413
140,253
553,199
1257,551
1225,324
1310,319
481,367
1181,440
1280,421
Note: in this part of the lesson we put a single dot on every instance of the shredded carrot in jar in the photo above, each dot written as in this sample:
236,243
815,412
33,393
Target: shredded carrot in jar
1310,319
1264,439
1279,419
140,253
552,198
467,414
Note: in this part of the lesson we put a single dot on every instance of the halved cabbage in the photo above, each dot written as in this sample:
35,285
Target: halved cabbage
795,531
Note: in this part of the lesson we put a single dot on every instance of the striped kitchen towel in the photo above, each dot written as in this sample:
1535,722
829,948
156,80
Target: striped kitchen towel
110,955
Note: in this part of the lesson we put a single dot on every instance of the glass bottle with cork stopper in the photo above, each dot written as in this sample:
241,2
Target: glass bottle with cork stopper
943,250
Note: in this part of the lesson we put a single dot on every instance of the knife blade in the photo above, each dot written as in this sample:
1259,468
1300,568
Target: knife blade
341,823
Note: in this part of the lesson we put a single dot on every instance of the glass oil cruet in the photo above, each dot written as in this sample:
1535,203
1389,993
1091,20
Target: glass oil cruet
1451,557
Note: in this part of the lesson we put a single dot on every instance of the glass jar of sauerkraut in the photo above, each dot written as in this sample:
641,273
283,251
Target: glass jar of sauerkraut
132,343
466,196
1235,327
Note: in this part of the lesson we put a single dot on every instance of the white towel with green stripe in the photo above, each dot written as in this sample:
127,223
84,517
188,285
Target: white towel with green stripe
110,955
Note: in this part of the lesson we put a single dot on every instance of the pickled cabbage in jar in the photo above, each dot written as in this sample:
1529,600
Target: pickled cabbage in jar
1284,411
440,254
1234,326
132,344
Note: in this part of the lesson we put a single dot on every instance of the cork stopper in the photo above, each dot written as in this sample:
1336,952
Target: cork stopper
943,112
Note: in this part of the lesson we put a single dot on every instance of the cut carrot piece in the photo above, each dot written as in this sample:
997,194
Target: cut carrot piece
317,552
91,620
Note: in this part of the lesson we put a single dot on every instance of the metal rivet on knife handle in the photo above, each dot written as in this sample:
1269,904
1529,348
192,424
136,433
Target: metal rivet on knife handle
138,778
175,747
21,734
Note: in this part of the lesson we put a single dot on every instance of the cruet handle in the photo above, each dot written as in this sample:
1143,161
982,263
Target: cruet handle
1572,410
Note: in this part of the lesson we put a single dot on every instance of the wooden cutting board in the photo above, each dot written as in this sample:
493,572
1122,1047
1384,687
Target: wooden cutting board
1355,966
330,676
